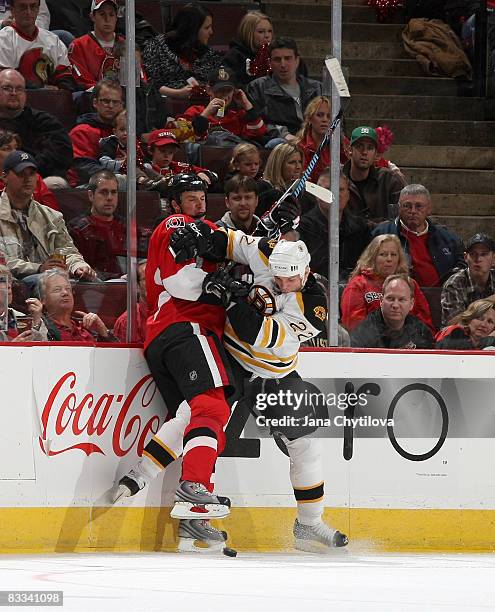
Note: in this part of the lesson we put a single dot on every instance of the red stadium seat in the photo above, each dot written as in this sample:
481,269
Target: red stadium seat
216,159
58,102
216,206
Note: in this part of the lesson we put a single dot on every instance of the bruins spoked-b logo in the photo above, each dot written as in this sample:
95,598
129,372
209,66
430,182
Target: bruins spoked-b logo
320,312
261,299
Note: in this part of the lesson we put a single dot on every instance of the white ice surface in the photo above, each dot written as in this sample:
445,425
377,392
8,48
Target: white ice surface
345,580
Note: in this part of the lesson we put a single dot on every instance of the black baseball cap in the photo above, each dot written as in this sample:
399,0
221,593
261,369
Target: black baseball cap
480,238
17,161
221,78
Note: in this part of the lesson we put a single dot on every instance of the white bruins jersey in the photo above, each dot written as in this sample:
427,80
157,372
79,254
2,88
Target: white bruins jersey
265,340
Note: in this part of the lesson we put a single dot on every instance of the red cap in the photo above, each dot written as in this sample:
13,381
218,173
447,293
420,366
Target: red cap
162,137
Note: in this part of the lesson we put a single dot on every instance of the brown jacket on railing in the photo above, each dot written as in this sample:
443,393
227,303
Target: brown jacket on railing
436,47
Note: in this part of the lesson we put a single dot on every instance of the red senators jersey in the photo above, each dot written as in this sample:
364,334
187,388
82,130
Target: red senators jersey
41,59
173,289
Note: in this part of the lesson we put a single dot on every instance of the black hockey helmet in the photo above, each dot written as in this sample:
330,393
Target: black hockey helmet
185,181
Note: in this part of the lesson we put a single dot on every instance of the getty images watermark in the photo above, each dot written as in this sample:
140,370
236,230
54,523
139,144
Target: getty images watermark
311,409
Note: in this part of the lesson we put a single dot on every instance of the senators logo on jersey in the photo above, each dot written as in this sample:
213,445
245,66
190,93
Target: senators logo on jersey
36,67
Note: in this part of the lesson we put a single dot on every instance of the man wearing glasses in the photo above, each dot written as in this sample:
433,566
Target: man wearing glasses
91,127
42,135
433,250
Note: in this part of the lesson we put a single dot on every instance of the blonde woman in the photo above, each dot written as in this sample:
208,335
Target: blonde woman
381,258
283,166
473,329
247,55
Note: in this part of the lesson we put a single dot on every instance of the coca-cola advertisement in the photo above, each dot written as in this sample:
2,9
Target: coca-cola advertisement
95,410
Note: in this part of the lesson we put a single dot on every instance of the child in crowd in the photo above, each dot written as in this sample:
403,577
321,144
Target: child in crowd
9,141
163,145
246,160
229,111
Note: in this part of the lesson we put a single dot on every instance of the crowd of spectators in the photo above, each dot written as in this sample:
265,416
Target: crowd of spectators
398,267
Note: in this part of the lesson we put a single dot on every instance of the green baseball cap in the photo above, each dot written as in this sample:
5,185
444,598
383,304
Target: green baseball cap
363,131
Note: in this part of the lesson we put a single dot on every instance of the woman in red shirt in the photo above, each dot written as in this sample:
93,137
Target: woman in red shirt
381,258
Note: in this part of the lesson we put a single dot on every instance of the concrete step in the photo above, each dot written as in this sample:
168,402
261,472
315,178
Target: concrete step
434,133
475,205
350,14
357,32
465,227
448,180
416,107
405,86
365,14
352,50
385,67
269,3
372,51
474,158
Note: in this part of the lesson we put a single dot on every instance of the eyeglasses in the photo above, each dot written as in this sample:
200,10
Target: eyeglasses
9,89
412,206
109,102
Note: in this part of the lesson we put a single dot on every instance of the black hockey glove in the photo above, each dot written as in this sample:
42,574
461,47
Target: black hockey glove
283,218
193,240
286,215
224,287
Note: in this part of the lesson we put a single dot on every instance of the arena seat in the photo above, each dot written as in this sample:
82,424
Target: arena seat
57,102
216,206
152,11
216,159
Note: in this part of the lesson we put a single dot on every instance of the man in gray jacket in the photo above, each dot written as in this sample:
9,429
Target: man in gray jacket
33,237
283,96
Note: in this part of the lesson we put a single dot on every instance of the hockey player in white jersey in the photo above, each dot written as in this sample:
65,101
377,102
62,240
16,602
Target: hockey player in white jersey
263,335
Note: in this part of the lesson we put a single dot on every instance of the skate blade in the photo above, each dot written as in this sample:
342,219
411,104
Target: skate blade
187,510
317,547
122,493
191,545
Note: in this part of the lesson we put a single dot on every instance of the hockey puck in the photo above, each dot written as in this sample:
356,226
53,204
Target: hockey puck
229,552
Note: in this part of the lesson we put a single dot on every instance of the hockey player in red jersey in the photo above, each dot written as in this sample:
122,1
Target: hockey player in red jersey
184,352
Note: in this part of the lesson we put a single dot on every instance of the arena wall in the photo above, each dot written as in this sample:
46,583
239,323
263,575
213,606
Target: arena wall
74,419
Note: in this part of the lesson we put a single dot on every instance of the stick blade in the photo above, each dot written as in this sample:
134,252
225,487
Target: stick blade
319,192
333,67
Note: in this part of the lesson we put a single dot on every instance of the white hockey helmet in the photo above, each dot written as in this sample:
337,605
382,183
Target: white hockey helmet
289,258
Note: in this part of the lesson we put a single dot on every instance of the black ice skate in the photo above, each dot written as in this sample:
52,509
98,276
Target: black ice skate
317,538
193,500
129,485
198,536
